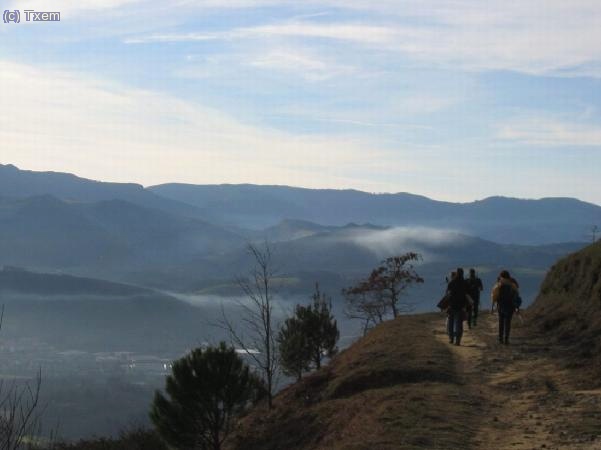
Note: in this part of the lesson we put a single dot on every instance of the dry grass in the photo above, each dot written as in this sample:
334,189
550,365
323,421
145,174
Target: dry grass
395,388
567,313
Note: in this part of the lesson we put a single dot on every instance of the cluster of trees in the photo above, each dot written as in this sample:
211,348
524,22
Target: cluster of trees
210,387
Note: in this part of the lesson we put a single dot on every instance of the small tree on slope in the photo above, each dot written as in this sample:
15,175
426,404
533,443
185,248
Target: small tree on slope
320,327
381,293
206,389
295,353
309,336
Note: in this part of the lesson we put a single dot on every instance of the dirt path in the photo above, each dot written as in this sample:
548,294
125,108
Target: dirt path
528,400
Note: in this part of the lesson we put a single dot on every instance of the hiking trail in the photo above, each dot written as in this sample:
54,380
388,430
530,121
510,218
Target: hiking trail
525,399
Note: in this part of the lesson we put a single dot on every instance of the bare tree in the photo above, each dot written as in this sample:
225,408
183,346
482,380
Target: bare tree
367,306
374,298
258,337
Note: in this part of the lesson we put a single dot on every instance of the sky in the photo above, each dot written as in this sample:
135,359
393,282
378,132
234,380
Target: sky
453,99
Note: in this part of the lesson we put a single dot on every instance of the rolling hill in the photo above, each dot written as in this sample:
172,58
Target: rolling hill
17,183
47,233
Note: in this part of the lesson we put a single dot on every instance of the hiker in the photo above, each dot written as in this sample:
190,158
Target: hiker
475,287
504,295
458,302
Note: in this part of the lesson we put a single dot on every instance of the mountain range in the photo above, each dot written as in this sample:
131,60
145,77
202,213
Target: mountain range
500,219
255,207
193,238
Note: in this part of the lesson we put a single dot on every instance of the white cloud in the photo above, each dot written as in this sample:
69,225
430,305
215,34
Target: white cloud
301,63
56,120
549,132
360,33
535,37
399,239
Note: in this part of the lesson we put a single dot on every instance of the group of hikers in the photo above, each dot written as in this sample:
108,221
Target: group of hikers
462,302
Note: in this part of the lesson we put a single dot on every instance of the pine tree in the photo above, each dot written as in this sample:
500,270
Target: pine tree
295,353
206,389
320,327
308,337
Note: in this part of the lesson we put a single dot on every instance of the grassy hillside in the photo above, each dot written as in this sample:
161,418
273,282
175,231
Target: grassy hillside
568,310
392,389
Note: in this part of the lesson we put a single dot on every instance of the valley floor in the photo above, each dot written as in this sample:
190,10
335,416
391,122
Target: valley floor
528,398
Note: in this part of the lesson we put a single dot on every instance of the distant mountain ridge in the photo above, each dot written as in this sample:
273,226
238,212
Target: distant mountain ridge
256,207
17,183
500,219
45,232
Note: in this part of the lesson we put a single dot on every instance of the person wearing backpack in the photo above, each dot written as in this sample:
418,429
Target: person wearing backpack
504,296
475,287
458,302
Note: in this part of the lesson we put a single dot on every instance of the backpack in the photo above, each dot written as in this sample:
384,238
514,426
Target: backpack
517,302
507,298
456,293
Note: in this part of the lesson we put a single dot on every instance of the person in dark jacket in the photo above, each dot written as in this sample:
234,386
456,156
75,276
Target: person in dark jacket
504,295
458,301
475,287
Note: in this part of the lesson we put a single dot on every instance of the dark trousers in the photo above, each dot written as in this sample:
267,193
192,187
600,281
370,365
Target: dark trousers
455,325
504,325
472,315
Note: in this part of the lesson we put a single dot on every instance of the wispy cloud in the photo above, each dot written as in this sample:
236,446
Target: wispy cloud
550,132
535,37
301,63
59,119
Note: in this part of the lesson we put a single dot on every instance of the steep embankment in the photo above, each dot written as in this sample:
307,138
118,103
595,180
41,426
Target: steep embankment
568,311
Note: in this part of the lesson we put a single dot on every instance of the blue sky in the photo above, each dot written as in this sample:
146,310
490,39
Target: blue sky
453,99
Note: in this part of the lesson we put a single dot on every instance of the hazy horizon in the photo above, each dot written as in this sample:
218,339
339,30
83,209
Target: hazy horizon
149,186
